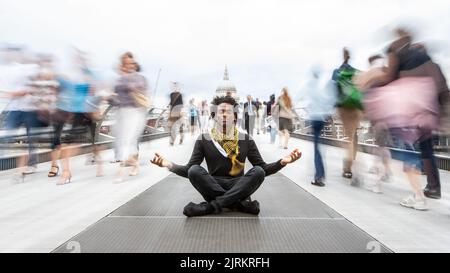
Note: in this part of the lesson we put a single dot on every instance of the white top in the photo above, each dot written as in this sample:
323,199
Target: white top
15,77
319,100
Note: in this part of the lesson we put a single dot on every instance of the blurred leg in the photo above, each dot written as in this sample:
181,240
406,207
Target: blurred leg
318,163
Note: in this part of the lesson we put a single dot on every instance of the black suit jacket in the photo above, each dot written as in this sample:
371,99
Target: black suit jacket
220,166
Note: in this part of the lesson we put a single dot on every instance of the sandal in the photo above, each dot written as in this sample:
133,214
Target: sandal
52,172
65,178
347,175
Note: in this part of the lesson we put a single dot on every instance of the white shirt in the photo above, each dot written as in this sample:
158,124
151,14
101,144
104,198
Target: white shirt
250,108
219,148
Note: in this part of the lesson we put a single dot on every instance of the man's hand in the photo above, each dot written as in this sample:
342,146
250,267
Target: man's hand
161,161
296,154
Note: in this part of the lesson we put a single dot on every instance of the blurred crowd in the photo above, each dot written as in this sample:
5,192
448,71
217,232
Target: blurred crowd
404,94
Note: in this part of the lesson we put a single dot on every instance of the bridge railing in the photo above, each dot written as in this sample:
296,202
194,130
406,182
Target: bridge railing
17,139
442,161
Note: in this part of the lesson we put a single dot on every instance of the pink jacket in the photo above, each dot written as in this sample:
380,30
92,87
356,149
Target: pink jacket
405,102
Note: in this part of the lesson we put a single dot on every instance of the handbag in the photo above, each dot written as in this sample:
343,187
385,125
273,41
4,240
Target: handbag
140,99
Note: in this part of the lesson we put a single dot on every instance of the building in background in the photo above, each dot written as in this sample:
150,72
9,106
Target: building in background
226,87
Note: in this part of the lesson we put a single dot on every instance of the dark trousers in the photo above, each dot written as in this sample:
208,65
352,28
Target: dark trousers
317,126
31,121
224,190
429,163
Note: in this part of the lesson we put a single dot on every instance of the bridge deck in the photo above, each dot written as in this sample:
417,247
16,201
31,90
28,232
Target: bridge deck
141,214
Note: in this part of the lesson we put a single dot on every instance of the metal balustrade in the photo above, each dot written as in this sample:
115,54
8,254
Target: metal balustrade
442,161
150,133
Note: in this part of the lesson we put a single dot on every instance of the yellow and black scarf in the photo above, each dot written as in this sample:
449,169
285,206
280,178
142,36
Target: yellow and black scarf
230,144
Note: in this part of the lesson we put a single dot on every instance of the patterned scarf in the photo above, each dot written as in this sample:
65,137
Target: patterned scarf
230,144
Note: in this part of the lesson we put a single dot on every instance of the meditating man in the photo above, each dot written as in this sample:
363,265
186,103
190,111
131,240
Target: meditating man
225,149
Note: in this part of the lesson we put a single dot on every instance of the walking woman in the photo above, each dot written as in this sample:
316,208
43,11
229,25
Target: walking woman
204,117
131,91
409,92
270,123
285,115
175,122
193,114
350,110
77,92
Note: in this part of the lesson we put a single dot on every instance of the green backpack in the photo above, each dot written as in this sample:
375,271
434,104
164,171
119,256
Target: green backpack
349,95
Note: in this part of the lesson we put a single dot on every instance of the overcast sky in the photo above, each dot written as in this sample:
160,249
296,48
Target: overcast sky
266,44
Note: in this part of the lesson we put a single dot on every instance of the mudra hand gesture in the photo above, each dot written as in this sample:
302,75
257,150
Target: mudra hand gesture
161,161
291,158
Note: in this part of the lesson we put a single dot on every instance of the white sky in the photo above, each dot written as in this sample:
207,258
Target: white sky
266,44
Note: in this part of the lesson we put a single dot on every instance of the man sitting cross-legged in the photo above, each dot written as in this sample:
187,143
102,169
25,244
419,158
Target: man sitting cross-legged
225,149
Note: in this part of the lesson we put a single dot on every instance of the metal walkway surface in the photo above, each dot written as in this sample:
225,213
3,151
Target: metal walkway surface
291,220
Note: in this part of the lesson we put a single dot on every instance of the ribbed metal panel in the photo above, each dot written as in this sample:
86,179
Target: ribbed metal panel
291,220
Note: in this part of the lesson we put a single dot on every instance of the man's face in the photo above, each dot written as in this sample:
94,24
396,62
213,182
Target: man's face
249,98
225,115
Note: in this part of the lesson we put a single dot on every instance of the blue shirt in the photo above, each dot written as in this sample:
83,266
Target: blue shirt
73,96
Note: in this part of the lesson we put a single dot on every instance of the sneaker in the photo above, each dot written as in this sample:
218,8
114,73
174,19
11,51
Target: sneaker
201,209
421,204
30,170
318,183
414,203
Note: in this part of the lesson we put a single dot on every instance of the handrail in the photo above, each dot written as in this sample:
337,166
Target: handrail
10,162
11,134
442,161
